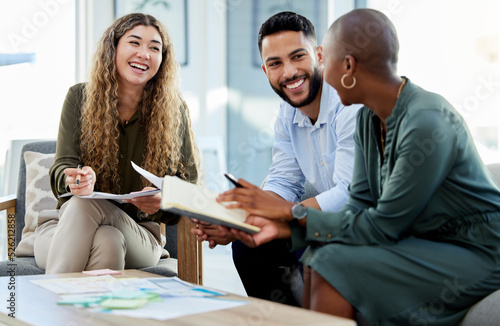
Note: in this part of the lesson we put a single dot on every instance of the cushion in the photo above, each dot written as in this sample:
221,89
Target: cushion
39,197
485,313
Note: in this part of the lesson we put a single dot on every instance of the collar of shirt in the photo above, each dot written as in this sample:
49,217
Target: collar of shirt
131,121
303,120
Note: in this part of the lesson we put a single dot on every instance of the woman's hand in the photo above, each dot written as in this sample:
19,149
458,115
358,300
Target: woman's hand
85,185
147,204
269,230
256,201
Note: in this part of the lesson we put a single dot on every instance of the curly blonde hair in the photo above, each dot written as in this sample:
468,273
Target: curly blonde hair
161,111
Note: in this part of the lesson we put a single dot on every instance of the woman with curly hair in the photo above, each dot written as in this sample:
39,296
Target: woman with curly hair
129,111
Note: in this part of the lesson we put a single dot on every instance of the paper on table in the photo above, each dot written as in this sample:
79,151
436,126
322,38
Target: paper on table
78,285
176,307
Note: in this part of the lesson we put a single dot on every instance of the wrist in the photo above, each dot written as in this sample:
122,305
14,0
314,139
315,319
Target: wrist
299,212
287,213
284,232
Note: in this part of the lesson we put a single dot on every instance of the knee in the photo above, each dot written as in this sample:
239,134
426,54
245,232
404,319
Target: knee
243,256
109,241
73,208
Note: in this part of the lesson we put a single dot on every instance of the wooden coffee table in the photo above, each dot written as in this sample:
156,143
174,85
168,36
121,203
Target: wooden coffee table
37,306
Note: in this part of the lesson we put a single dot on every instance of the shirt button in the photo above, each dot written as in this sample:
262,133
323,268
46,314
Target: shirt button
316,234
121,155
329,236
322,163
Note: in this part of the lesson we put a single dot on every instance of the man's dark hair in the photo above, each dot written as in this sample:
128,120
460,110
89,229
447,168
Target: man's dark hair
287,21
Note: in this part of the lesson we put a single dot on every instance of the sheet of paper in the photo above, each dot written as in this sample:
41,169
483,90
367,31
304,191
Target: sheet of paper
123,303
118,198
175,287
78,285
158,182
176,307
126,300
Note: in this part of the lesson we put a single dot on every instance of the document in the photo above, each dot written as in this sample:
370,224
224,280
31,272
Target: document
118,198
196,201
156,181
186,199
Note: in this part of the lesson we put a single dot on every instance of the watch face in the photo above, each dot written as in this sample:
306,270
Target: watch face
299,211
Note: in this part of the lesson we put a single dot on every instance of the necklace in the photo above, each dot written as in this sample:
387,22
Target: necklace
401,87
382,133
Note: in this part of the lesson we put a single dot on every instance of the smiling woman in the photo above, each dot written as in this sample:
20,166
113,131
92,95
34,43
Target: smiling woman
129,111
138,57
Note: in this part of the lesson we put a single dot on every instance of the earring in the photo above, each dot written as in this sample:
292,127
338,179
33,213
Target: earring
343,82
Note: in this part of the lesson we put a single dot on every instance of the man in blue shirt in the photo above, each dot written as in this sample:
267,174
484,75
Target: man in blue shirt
313,143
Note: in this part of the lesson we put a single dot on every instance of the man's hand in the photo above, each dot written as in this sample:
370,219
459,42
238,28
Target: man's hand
212,233
256,201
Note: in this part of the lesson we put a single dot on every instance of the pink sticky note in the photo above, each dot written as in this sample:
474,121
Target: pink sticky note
98,272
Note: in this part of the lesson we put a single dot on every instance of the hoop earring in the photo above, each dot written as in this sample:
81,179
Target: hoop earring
343,82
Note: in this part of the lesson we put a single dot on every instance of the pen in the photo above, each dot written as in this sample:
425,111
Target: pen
232,179
79,175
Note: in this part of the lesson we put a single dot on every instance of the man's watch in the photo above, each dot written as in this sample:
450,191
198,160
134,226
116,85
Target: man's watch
299,212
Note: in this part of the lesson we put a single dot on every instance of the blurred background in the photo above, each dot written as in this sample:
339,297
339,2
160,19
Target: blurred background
449,47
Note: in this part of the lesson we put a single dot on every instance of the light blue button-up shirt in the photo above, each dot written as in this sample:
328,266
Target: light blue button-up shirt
322,154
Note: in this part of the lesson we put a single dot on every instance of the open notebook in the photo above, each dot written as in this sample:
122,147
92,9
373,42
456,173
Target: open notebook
196,201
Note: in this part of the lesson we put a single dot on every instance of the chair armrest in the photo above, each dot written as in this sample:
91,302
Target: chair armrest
189,253
8,203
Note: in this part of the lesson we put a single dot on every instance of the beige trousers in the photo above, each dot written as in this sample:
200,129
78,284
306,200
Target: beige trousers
93,234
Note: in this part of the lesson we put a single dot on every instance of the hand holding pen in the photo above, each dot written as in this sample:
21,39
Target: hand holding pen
80,180
78,176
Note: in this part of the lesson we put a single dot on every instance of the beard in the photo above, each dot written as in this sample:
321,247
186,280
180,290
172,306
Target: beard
315,81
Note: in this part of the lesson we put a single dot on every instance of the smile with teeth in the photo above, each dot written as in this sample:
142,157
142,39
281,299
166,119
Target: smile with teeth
138,66
295,84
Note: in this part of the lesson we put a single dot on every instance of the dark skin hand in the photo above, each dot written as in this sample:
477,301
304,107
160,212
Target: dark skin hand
214,234
270,230
256,202
264,209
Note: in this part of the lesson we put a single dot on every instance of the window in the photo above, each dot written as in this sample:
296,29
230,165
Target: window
37,66
452,48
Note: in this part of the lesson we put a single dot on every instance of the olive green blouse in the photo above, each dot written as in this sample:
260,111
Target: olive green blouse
131,143
429,180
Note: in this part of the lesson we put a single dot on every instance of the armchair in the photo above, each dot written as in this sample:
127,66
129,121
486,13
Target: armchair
185,252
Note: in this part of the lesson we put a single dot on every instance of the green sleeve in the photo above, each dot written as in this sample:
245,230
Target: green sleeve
68,141
405,193
297,236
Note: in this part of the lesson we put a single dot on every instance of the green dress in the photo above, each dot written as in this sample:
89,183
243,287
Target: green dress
418,241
